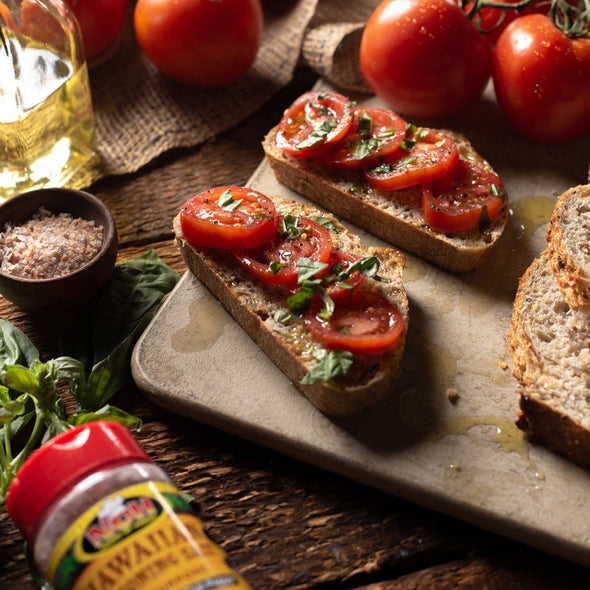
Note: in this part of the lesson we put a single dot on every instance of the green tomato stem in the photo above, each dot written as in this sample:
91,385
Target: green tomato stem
573,22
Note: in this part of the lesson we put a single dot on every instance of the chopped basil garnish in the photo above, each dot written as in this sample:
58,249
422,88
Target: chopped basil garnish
291,227
333,365
308,268
484,220
275,267
325,222
413,134
319,134
498,191
301,299
227,202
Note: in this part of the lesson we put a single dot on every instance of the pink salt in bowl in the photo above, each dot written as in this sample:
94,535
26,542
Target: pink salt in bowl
58,248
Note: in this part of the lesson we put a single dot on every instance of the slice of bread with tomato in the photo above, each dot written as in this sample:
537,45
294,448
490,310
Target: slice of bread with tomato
423,190
364,284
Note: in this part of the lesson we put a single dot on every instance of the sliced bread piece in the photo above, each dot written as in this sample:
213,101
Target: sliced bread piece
291,346
568,239
549,343
394,216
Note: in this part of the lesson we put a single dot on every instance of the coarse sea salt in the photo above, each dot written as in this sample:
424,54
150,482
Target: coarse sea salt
49,246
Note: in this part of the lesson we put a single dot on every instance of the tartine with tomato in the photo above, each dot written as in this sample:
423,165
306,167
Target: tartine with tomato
329,312
424,190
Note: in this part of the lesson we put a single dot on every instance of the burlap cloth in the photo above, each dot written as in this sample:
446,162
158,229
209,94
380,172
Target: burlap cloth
140,114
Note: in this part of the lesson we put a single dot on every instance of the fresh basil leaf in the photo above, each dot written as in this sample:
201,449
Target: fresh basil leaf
15,347
107,412
19,378
104,337
335,365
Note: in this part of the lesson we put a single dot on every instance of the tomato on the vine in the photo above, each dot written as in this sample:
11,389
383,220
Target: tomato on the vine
492,20
101,23
278,262
542,80
431,154
466,197
424,58
315,122
200,43
365,323
229,218
373,135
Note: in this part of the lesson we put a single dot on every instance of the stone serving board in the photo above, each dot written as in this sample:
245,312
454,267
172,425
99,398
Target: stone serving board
445,436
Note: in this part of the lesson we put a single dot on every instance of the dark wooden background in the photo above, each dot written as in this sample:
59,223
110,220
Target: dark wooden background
284,523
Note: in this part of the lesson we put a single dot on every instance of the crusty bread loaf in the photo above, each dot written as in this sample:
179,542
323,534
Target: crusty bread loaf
569,242
397,220
290,346
551,359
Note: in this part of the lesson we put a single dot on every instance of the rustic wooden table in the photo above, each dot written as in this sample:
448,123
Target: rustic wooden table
284,524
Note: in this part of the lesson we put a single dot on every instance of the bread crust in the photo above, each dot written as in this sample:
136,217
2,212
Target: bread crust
394,216
253,305
568,240
550,346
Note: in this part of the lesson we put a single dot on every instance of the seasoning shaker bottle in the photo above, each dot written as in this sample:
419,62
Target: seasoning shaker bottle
47,130
97,512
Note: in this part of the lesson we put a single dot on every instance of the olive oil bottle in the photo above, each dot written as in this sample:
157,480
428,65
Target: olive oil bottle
46,116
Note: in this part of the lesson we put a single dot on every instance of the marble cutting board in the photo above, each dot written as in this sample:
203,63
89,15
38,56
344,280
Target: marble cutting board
445,436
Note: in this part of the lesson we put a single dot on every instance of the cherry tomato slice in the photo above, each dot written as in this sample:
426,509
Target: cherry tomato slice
313,123
276,263
339,262
457,200
432,154
367,323
373,135
229,218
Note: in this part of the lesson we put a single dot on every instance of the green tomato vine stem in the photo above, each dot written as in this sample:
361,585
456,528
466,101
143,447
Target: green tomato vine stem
573,21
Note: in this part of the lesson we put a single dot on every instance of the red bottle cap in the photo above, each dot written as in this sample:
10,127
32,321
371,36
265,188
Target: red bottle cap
62,462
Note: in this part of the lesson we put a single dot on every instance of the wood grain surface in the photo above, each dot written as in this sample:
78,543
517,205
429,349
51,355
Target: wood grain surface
283,523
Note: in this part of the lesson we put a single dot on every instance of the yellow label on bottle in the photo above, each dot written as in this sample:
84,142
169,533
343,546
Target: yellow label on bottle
144,537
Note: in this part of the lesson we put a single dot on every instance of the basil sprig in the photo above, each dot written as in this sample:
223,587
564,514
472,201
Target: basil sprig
95,364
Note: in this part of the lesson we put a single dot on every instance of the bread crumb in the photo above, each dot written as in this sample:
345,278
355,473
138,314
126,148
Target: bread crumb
503,365
453,395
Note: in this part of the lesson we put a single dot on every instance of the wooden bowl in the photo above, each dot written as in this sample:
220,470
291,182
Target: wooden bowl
78,286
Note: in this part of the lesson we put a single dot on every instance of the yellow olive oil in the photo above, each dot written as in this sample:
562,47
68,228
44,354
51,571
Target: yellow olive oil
46,117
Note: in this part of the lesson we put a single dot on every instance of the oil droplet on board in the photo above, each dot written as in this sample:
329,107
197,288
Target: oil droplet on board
414,270
207,321
531,213
510,438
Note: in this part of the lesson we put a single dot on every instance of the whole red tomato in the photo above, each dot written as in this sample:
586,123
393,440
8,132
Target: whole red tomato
424,58
542,80
202,43
101,22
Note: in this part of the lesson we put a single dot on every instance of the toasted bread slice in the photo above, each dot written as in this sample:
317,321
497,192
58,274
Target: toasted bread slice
548,341
568,239
291,345
394,216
